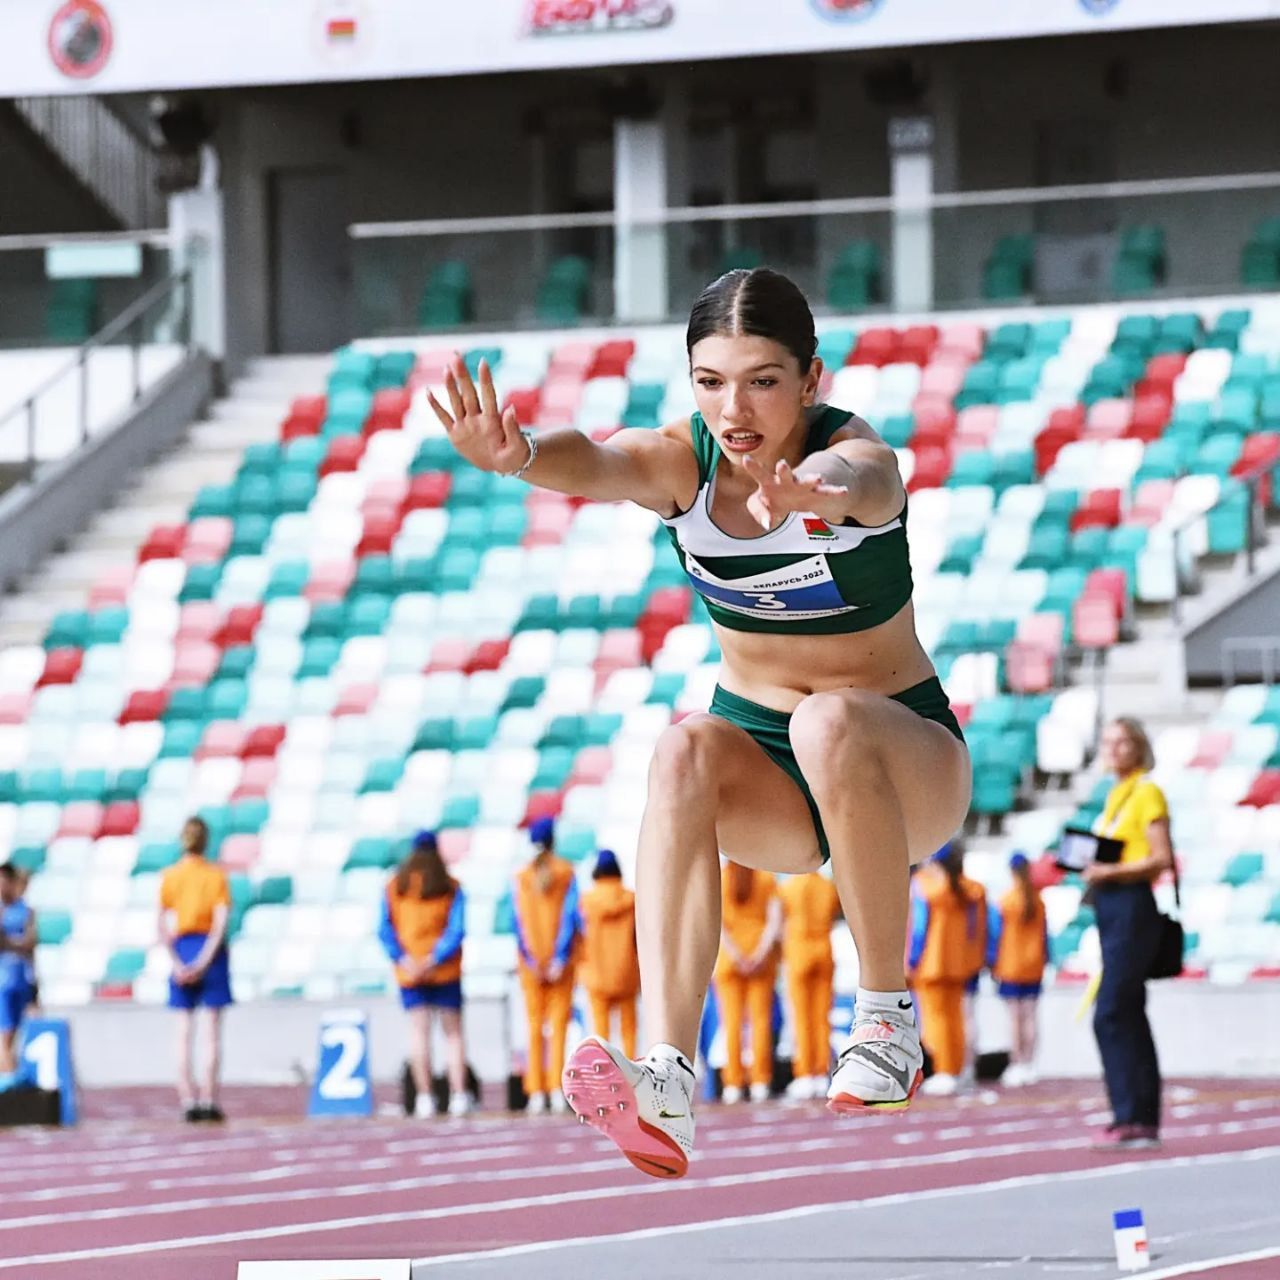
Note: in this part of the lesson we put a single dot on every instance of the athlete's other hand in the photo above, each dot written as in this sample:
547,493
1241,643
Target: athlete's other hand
781,491
484,435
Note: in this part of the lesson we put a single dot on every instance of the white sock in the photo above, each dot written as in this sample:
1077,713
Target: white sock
898,1003
669,1055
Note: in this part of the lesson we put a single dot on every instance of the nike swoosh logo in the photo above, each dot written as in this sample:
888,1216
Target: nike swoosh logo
672,1115
903,1077
905,1004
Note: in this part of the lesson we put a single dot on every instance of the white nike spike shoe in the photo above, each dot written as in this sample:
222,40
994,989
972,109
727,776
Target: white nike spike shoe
645,1107
881,1067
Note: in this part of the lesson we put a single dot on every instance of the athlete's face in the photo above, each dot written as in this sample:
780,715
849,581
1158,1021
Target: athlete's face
751,393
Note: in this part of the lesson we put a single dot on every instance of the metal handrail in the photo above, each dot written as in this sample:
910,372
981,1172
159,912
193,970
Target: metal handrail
809,208
1250,479
128,320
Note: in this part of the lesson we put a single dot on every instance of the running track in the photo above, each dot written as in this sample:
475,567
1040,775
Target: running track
133,1193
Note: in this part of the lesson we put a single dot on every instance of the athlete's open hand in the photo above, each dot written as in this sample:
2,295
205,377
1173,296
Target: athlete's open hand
781,491
480,431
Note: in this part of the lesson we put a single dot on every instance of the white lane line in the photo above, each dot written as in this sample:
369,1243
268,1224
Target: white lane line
846,1206
629,1191
1207,1264
606,1163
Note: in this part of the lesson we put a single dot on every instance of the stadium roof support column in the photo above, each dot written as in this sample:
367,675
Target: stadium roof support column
640,190
911,177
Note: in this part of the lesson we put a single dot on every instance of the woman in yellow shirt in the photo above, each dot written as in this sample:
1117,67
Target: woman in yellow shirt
1137,815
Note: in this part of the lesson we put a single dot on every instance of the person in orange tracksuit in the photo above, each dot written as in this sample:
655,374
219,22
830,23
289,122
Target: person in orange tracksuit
547,924
810,905
610,966
195,908
423,925
1022,952
746,974
948,946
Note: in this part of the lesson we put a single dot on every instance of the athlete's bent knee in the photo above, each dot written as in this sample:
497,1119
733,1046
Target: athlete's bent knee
684,757
831,732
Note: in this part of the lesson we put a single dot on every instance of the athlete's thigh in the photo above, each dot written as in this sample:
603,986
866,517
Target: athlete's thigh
763,820
927,766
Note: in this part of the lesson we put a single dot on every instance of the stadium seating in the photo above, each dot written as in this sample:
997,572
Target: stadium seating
361,636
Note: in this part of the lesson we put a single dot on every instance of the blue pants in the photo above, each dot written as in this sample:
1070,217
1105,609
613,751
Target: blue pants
1128,928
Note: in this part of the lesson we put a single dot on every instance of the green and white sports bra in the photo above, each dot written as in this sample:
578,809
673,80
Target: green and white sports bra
805,577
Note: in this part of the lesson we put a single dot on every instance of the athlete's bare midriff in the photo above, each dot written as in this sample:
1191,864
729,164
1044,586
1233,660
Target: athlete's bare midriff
779,671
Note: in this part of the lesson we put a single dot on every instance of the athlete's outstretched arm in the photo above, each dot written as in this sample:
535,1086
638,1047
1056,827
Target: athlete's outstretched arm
653,469
854,477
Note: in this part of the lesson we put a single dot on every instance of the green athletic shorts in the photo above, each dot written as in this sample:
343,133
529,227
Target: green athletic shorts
769,728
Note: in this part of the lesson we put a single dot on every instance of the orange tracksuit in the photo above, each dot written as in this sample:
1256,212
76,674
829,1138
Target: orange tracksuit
948,947
745,923
809,904
420,927
610,964
546,911
1022,947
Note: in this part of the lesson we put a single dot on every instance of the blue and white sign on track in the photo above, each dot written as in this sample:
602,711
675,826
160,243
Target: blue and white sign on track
343,1085
46,1051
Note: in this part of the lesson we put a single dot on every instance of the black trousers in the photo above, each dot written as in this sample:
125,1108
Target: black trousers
1128,929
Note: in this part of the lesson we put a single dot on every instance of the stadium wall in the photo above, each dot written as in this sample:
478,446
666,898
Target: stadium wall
1201,1031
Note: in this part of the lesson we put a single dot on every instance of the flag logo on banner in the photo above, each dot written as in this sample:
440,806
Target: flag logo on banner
581,17
80,38
341,30
846,10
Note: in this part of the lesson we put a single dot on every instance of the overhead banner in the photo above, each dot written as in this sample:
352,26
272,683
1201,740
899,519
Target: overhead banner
114,46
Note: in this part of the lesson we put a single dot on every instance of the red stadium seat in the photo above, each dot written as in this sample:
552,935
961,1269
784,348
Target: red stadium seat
941,380
965,340
263,740
612,359
875,346
1100,509
61,666
389,409
1108,419
918,343
199,620
571,359
306,417
428,490
1163,370
935,417
144,705
620,647
164,542
488,655
543,804
1265,790
526,403
1113,584
1151,413
120,818
976,426
344,455
240,625
671,604
933,466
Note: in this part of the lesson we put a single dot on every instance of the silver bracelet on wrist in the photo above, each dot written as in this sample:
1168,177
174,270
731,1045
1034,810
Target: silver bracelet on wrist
532,441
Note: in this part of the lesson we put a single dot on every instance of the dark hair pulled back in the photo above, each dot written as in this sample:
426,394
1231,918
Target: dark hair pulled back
760,302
